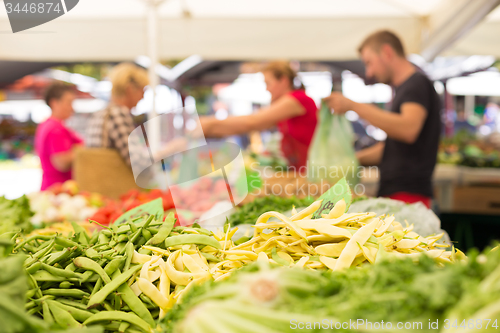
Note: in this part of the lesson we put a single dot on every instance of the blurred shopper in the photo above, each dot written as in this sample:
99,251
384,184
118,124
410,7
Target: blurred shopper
111,127
407,158
54,142
291,110
461,123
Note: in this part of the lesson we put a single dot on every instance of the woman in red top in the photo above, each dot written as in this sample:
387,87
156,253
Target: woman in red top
292,111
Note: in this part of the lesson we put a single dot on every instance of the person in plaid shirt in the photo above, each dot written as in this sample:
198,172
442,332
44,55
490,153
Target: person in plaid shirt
128,82
113,126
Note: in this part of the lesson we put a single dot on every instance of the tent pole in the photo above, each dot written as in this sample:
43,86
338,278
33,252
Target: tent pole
454,19
153,127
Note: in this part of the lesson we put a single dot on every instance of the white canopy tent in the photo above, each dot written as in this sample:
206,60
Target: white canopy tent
115,30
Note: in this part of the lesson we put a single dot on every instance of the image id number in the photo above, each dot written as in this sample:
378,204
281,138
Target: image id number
471,324
34,7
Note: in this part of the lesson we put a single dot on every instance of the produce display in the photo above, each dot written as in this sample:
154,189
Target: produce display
145,273
49,207
463,297
337,240
266,154
112,209
63,202
467,150
64,228
200,196
83,280
273,159
13,294
13,287
190,203
424,220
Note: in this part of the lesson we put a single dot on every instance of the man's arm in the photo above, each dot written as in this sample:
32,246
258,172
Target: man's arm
371,155
285,108
405,126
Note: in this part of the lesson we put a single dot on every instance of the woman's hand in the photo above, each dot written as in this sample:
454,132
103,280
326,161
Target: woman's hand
204,128
284,108
207,123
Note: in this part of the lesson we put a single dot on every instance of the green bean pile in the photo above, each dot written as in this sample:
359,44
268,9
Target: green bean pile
85,280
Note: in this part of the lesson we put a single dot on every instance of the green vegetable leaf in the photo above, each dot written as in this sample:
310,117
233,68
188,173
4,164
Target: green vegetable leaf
250,212
154,207
13,287
15,215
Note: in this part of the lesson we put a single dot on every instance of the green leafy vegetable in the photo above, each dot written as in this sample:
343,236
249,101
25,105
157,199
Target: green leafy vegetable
154,207
15,215
13,288
250,212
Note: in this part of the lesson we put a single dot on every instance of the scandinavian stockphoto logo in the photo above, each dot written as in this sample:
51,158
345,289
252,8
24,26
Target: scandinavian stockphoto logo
196,172
26,14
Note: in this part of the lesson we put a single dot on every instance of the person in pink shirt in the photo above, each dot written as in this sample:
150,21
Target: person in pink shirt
54,142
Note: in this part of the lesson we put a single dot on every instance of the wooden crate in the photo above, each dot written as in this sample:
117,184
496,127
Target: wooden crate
480,176
477,200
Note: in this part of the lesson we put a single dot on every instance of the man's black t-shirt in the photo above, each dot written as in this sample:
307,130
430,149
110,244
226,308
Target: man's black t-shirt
409,167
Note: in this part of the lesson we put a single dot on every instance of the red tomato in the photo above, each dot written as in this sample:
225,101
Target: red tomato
114,216
177,222
107,210
99,217
154,194
143,197
129,194
168,202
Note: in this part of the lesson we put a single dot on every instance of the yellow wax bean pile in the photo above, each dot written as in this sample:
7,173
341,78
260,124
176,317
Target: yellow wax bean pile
336,241
183,266
62,228
180,266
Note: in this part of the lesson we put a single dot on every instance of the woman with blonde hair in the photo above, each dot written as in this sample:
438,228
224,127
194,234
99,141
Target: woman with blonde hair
111,127
291,110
